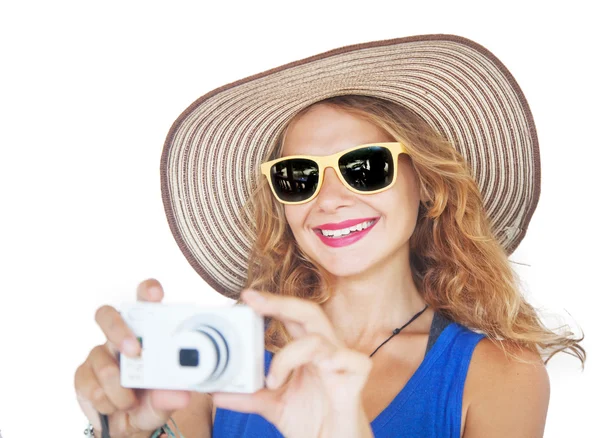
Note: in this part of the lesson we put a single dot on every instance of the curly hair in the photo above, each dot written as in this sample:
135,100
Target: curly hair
457,263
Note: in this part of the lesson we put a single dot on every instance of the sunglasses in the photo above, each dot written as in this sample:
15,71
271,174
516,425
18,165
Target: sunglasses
364,169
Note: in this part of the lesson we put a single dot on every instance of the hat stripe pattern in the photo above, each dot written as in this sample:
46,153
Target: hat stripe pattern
212,153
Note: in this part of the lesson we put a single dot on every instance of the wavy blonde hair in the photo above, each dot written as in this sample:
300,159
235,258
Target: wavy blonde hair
457,264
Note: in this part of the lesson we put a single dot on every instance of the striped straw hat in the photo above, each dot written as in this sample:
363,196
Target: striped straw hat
212,153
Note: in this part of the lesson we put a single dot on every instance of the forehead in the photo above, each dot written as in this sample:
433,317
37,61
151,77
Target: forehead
325,130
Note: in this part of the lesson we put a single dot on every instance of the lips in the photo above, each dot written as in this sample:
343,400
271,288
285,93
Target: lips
334,237
345,224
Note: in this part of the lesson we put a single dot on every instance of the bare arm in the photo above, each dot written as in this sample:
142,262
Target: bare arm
509,398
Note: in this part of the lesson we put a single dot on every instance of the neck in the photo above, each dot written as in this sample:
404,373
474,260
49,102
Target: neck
364,309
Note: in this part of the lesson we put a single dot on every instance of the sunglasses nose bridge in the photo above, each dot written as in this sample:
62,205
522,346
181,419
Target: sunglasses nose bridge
327,163
333,163
331,182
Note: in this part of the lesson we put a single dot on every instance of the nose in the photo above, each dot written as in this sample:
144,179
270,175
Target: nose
333,193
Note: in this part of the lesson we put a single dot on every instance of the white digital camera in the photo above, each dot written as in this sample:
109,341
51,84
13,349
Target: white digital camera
194,349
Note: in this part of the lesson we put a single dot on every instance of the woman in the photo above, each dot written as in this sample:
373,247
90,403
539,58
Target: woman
397,241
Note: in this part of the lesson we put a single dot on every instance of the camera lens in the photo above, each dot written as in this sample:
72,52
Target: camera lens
189,357
208,336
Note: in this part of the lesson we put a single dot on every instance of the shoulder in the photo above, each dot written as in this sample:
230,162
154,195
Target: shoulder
505,396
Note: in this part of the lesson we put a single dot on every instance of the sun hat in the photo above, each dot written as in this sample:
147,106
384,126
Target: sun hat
213,151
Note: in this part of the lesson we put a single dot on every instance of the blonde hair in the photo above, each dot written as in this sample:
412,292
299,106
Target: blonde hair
457,264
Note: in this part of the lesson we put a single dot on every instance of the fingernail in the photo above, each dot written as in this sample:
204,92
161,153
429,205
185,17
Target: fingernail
153,292
254,296
130,347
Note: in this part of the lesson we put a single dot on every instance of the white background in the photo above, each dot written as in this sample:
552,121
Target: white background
88,93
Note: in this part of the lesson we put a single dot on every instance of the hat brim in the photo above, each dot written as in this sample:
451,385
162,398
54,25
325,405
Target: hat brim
213,150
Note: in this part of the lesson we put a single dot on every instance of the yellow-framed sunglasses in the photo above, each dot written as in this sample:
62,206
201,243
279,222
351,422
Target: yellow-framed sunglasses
365,169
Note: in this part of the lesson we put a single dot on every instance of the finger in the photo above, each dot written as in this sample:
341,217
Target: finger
117,332
262,402
150,290
312,348
155,408
347,373
108,375
291,309
349,362
295,329
170,400
91,395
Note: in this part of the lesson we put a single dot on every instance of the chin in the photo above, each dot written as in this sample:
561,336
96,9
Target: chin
344,263
344,266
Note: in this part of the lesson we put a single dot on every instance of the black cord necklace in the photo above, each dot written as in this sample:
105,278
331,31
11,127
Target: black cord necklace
398,330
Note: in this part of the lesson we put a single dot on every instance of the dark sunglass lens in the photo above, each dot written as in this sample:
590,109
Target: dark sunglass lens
295,180
368,169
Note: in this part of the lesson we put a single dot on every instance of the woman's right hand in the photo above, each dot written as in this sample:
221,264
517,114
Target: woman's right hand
131,412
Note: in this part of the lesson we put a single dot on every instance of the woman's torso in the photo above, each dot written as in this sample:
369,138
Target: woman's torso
397,362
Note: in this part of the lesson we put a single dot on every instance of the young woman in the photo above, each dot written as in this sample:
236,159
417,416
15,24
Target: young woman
384,197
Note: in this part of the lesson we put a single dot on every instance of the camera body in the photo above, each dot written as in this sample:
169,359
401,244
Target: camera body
196,349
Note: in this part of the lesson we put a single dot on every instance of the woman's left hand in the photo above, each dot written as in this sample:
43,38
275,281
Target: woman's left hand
323,396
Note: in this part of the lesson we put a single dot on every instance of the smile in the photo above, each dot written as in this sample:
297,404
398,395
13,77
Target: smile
345,236
345,231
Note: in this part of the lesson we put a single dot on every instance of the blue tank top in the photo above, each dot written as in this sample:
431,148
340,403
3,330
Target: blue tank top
429,405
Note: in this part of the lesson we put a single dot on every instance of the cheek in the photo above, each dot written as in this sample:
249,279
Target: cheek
295,216
400,202
406,190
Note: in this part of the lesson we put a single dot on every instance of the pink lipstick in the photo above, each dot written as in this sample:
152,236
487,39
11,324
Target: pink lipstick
344,233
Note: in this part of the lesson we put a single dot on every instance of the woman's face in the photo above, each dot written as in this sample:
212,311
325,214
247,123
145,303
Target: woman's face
325,130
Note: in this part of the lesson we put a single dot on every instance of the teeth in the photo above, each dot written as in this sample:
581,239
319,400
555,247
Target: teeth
346,231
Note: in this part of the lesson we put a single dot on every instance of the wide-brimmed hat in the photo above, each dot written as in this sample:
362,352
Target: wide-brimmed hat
213,151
